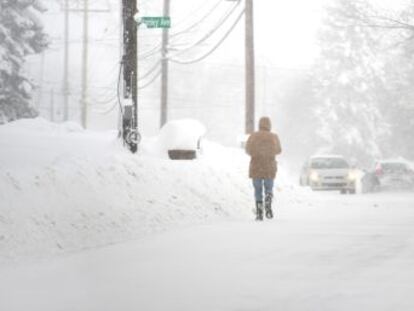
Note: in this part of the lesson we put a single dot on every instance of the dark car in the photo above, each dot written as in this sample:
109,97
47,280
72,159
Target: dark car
389,174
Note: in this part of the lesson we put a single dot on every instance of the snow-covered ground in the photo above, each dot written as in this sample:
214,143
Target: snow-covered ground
84,225
63,189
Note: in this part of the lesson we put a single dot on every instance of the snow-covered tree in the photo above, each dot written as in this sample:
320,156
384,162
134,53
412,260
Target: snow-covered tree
365,79
398,104
20,35
349,81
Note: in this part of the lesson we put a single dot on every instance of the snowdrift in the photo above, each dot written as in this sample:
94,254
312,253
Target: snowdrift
63,189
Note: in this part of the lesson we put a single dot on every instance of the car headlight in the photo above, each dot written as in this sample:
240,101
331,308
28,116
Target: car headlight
314,176
352,176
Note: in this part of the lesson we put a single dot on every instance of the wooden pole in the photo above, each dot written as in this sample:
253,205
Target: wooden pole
250,72
164,68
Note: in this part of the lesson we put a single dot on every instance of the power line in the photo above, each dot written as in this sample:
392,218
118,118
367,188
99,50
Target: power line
150,81
218,25
158,47
150,52
197,23
200,58
110,109
153,68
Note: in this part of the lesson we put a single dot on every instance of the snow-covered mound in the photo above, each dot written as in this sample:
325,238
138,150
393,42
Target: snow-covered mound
177,134
63,188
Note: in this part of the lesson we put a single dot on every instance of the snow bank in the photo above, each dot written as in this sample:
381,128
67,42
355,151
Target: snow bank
64,189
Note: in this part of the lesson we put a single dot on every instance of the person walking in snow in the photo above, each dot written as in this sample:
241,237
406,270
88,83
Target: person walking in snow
263,146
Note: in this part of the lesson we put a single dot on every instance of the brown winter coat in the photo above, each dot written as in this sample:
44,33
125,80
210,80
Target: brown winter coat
263,146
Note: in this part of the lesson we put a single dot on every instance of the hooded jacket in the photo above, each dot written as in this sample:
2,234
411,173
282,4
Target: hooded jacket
263,146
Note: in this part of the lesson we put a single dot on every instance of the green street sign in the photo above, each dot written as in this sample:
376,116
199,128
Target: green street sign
155,21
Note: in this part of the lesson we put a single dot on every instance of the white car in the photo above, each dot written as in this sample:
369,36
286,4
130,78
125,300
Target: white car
328,172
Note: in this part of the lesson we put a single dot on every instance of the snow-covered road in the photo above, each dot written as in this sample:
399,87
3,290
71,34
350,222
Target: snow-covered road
340,253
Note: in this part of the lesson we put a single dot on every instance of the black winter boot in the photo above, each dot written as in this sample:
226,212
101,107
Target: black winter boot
259,210
268,205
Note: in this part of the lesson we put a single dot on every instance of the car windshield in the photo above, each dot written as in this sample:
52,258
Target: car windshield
328,163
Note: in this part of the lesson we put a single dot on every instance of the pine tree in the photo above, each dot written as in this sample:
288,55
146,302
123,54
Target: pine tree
20,35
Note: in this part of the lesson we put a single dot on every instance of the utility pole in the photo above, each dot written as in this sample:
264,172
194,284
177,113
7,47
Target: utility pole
250,76
52,105
84,94
66,64
164,68
40,87
84,100
130,75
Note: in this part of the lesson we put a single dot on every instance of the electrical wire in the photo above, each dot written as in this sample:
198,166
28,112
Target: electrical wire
158,47
101,102
150,81
192,14
108,110
155,50
157,64
118,95
195,60
198,22
215,28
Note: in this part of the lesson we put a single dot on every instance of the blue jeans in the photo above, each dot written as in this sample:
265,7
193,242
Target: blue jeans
259,184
